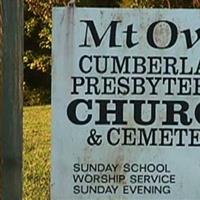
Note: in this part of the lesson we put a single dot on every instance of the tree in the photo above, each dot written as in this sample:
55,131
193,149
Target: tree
37,58
161,3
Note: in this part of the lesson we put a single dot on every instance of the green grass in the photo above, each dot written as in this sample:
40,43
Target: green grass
37,145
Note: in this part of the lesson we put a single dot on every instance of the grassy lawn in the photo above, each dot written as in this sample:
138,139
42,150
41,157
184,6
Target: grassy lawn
37,145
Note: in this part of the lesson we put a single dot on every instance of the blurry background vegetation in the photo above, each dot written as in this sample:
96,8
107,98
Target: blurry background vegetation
38,25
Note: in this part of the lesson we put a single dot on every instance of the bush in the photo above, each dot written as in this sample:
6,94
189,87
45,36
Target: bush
36,96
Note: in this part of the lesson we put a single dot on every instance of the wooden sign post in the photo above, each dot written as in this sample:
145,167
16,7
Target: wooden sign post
11,102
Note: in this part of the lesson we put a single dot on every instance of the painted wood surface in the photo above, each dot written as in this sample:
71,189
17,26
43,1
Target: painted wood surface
126,110
11,102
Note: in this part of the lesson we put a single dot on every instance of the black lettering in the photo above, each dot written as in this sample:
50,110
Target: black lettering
172,111
150,34
97,39
72,113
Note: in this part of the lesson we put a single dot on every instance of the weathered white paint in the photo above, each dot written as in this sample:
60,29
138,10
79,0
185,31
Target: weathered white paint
70,141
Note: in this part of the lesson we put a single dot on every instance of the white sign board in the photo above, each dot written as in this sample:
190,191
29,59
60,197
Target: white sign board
126,106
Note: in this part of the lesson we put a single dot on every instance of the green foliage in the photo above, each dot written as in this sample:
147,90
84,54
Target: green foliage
38,27
99,3
36,153
36,96
37,41
160,3
37,56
